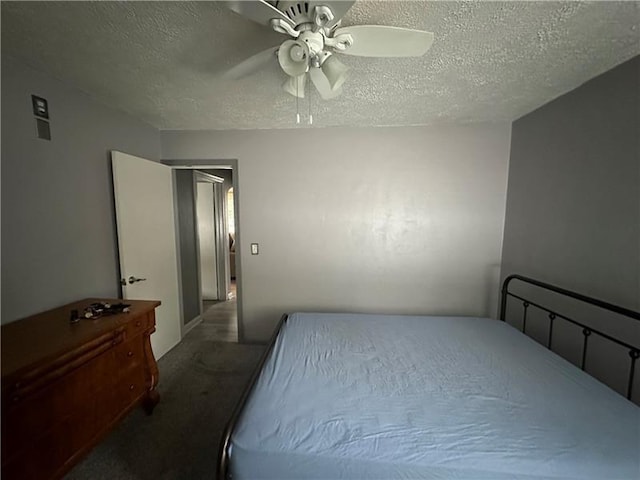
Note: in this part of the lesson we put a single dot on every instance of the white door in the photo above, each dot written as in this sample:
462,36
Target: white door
145,221
207,240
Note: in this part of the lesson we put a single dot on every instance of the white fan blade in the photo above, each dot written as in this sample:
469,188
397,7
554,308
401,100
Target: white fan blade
257,10
338,7
382,41
321,82
251,64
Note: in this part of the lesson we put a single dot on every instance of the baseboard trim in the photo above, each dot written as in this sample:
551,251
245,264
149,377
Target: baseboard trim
191,325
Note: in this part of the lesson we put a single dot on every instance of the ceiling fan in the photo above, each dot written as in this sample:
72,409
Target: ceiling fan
316,35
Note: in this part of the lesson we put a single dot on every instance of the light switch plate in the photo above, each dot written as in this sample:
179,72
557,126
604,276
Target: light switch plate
40,106
254,249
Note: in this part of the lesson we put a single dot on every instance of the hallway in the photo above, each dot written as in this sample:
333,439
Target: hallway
220,319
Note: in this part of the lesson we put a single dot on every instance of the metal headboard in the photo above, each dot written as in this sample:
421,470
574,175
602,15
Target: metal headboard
634,352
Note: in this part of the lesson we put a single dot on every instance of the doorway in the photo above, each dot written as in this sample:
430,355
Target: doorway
216,310
211,235
216,227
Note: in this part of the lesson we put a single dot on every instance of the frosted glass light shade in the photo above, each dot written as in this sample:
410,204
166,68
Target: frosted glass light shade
335,71
293,57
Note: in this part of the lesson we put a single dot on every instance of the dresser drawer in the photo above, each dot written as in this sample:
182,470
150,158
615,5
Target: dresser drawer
28,417
129,353
138,325
23,421
130,386
53,450
54,434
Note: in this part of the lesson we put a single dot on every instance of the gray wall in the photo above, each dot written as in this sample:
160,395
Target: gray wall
185,198
403,220
58,233
573,204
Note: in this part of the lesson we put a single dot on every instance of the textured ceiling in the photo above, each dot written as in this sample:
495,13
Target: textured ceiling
161,61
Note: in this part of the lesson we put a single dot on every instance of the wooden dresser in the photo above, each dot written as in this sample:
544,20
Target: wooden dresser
65,386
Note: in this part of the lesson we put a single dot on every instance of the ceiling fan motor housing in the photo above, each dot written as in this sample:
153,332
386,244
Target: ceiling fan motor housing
297,12
314,40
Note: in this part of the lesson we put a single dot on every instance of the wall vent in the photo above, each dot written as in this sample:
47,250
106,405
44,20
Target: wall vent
44,131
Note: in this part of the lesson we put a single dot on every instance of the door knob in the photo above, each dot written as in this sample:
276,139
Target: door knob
133,279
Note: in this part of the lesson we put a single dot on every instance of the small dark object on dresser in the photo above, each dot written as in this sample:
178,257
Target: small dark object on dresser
96,310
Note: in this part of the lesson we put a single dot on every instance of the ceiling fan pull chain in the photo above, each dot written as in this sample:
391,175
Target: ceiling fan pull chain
297,104
309,89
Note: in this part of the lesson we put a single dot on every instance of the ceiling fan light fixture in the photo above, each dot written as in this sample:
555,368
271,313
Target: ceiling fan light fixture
295,86
335,71
293,57
322,84
316,35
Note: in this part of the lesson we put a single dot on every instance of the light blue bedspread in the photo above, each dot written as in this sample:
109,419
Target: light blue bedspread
373,396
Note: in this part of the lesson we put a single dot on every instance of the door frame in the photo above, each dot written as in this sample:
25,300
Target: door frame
231,164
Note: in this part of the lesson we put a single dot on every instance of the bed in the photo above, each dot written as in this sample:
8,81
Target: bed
382,396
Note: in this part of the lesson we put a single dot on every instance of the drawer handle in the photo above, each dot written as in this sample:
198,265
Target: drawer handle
129,354
131,387
138,323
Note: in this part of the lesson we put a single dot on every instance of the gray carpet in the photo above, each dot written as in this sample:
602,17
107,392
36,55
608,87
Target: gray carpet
201,381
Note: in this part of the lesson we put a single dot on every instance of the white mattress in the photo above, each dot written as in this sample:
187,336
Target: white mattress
368,396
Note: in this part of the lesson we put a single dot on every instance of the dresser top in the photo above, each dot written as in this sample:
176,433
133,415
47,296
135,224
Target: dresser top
46,335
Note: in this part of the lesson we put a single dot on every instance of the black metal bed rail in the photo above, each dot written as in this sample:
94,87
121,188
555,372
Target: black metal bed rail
634,351
223,457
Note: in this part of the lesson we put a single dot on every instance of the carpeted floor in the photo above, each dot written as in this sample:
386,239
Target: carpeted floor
201,380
